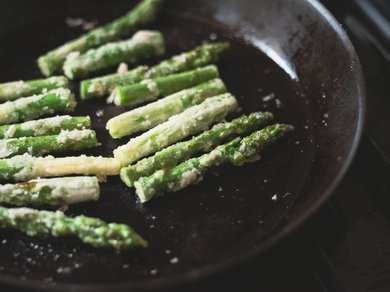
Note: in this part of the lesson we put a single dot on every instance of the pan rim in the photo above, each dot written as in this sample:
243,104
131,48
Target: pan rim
213,269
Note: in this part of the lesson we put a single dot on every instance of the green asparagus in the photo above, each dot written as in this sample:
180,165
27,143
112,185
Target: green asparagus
145,12
38,146
152,89
103,86
198,57
48,126
205,142
36,106
150,115
143,44
89,230
193,120
25,167
16,89
237,152
54,191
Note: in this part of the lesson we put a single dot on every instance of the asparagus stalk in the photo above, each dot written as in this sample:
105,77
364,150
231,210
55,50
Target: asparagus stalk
152,114
25,167
16,89
89,230
237,152
36,106
48,126
145,12
37,146
152,89
143,44
103,86
193,120
54,191
205,142
198,57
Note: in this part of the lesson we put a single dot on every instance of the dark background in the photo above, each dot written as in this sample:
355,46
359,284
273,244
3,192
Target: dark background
346,245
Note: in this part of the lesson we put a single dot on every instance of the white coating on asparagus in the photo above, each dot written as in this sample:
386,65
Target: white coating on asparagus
192,121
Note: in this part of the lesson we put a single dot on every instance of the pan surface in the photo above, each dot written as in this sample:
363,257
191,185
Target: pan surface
288,57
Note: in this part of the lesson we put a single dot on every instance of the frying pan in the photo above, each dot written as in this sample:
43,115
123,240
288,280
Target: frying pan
288,57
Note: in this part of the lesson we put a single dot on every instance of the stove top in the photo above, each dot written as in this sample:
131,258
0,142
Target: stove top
345,246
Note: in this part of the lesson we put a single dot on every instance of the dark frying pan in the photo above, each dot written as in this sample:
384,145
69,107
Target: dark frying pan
294,52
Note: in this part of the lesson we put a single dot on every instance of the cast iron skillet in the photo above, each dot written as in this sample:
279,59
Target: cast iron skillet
294,52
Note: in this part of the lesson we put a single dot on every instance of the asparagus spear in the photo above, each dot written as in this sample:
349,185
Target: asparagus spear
48,126
237,152
25,167
104,85
16,89
143,13
205,142
149,116
152,89
54,191
198,57
29,108
143,44
193,120
89,230
37,146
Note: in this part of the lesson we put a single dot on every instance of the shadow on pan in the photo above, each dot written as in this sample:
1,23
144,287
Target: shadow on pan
288,57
